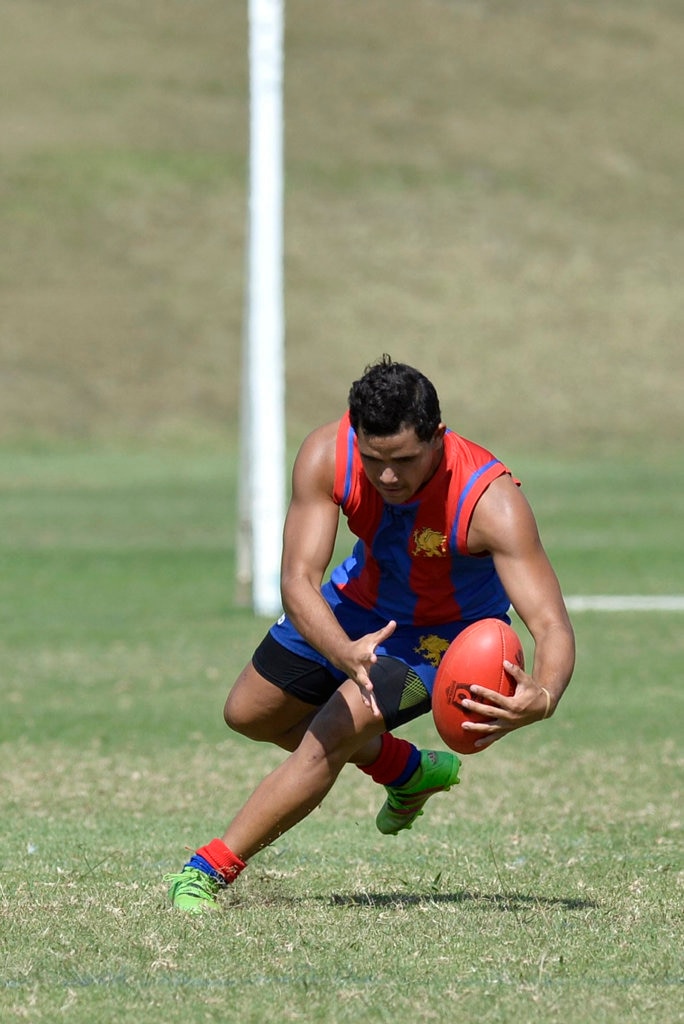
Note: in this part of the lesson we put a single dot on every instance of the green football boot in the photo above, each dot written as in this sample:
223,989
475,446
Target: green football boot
436,773
193,890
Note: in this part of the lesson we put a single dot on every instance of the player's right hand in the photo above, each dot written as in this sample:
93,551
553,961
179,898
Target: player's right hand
361,656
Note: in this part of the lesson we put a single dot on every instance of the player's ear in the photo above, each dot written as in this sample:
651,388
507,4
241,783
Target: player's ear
439,432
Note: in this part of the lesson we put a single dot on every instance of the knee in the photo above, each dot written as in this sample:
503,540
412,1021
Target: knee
239,710
236,716
243,717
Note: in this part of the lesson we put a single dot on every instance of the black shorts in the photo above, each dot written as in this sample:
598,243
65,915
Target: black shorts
400,693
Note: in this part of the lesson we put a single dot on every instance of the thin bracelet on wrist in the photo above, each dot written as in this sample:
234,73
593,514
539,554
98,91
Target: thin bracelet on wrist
548,702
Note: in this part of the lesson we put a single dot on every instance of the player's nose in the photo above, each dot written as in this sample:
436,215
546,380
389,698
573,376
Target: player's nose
388,476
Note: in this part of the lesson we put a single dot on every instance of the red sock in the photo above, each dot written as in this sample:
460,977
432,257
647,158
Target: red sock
394,761
222,859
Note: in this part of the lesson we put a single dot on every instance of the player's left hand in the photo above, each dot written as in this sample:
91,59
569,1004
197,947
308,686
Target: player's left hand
505,714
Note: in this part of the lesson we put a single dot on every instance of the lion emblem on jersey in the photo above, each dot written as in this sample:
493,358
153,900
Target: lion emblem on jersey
431,648
429,542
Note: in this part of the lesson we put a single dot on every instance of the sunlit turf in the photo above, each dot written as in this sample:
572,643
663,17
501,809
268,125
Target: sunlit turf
490,190
543,888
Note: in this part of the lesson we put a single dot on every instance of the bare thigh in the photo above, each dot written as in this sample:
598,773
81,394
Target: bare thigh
262,711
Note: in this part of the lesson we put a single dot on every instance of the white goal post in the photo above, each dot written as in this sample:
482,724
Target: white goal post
262,398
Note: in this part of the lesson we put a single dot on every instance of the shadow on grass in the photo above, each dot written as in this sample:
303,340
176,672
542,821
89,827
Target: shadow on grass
509,902
502,901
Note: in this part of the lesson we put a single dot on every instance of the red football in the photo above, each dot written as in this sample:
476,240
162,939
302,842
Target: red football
476,656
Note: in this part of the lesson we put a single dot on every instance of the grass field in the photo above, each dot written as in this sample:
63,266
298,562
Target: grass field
495,187
547,888
490,190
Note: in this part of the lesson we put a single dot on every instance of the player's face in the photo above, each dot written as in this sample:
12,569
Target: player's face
400,464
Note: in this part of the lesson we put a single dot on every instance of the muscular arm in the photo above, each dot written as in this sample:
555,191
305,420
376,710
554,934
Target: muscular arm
308,543
309,539
504,525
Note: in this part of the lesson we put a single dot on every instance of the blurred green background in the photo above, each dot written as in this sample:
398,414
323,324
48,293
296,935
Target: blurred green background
491,191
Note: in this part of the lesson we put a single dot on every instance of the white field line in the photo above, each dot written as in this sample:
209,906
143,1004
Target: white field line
625,603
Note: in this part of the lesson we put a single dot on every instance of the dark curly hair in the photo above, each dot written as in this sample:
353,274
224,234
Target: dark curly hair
391,396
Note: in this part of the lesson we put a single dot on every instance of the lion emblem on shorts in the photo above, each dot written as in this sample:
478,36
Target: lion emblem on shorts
431,648
429,542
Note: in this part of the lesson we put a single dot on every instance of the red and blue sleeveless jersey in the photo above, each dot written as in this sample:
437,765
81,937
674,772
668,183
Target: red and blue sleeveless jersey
410,562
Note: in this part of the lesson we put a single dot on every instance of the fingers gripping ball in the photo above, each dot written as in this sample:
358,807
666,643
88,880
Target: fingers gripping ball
476,656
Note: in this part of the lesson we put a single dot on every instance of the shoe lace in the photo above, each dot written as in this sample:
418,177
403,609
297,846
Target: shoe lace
193,883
